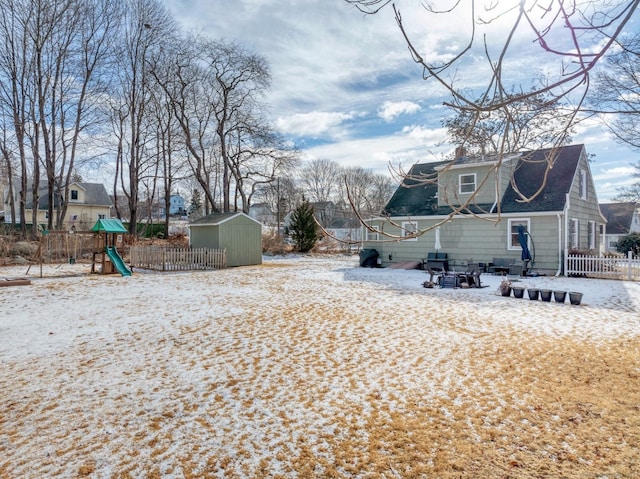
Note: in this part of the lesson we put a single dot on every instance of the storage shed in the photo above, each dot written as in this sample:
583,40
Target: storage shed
237,233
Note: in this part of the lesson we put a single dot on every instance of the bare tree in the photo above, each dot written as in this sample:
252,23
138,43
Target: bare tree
617,95
578,34
147,27
617,101
72,46
216,91
16,94
528,123
321,179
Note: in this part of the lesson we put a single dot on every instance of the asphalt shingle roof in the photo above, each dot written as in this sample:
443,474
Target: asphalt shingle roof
529,176
421,200
619,217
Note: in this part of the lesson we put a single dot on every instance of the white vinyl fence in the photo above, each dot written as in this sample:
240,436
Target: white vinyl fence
177,259
614,267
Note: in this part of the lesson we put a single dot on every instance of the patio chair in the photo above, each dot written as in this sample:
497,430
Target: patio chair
434,273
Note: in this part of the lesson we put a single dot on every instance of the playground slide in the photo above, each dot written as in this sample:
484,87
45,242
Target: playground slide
117,261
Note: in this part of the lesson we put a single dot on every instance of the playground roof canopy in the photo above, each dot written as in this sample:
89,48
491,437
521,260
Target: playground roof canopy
109,226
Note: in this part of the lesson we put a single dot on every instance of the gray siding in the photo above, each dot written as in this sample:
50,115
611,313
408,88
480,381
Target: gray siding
471,239
585,211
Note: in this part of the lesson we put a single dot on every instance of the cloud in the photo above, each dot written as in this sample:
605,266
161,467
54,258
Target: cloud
392,109
314,124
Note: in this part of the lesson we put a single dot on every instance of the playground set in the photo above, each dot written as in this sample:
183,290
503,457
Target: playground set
100,244
105,257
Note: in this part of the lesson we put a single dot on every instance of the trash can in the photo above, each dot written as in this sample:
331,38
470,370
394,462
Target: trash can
369,258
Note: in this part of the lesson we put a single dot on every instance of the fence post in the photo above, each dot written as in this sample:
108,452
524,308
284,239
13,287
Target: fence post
629,264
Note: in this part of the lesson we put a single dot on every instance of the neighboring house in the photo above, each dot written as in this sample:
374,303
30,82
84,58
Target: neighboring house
345,228
88,202
564,216
176,206
262,212
237,233
622,219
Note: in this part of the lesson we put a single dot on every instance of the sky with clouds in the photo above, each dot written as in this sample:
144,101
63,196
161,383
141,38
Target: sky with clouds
345,88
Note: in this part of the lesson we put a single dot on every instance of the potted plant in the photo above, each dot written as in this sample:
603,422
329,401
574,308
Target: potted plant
518,291
559,296
545,295
533,293
505,287
575,298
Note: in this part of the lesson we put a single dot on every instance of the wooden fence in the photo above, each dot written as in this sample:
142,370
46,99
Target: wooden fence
616,267
161,258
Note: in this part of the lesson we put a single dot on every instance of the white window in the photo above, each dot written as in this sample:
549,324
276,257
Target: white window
574,231
74,195
583,184
371,235
513,240
592,235
102,217
467,183
408,229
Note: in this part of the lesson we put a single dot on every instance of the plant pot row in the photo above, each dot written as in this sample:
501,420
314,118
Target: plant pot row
575,297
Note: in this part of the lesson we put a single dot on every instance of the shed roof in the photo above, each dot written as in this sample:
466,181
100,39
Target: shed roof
215,219
109,226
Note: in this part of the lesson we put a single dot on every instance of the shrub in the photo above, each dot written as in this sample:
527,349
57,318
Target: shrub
629,243
303,229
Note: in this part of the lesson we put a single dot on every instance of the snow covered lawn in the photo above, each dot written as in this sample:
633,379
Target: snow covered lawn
313,367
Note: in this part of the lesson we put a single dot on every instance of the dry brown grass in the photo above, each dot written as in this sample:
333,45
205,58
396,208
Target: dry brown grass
312,389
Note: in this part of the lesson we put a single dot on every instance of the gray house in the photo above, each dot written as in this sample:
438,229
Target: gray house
476,211
238,233
622,219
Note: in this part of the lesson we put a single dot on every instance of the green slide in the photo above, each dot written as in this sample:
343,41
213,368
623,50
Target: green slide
117,261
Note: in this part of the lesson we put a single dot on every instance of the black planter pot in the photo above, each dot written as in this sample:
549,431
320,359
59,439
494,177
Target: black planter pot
545,295
505,291
518,292
533,293
559,296
575,298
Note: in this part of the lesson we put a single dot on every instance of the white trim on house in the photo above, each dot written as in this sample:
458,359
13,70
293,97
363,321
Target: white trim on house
574,233
592,234
511,222
409,228
468,185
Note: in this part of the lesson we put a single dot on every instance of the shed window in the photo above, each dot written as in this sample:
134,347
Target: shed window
74,195
467,183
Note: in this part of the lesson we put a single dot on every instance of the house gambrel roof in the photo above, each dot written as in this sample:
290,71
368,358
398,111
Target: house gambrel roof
415,197
619,216
529,176
422,200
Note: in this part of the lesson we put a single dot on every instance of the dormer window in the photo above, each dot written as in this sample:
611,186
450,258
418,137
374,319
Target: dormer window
74,195
467,183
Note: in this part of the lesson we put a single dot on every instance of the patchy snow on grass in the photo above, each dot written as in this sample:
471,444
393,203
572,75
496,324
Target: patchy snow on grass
300,367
